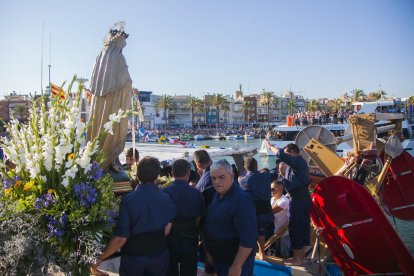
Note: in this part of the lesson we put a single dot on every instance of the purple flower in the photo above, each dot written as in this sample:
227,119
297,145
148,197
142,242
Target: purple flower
44,201
95,173
85,193
110,216
7,183
57,227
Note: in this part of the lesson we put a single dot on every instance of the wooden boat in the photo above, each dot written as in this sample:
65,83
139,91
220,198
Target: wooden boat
359,235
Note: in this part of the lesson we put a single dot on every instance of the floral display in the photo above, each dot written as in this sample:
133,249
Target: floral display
52,182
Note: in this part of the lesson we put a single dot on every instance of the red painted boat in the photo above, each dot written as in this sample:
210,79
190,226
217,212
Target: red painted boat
356,230
397,191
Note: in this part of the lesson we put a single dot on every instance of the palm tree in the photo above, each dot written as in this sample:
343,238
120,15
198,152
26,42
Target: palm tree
358,95
165,103
267,98
375,96
313,105
21,112
291,106
193,104
245,109
219,101
337,104
226,109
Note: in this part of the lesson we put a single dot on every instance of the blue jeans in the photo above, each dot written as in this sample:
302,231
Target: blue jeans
282,247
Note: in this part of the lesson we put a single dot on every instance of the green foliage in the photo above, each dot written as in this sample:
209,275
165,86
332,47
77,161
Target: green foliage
219,101
165,103
193,104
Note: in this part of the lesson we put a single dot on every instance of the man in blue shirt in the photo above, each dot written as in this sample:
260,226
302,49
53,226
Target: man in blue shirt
257,184
296,181
203,162
183,238
144,220
230,234
204,185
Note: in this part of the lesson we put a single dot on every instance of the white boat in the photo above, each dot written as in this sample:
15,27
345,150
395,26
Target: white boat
199,137
248,136
218,136
234,137
285,135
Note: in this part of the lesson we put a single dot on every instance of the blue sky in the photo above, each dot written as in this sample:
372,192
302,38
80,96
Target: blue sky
316,48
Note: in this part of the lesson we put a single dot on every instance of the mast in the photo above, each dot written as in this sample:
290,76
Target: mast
41,61
50,61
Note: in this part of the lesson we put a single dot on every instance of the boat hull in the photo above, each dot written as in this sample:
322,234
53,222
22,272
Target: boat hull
357,232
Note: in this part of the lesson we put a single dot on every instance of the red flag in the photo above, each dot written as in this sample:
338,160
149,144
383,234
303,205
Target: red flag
57,91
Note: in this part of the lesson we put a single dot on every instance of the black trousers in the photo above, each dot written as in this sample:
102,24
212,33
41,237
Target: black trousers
183,258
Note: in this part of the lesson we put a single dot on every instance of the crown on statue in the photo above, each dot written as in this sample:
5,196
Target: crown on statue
116,31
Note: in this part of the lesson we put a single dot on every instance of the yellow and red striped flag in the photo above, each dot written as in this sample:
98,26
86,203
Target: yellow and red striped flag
88,94
57,91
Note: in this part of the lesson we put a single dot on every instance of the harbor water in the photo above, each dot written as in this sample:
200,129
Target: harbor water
404,228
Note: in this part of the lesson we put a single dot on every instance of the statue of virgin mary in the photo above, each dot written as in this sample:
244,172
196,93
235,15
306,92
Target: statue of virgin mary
111,88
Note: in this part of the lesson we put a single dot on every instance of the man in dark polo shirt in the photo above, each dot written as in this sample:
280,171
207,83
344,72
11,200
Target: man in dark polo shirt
229,232
257,184
296,181
183,238
204,185
144,220
203,162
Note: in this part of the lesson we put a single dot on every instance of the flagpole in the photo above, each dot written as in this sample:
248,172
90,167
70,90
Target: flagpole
50,59
41,61
133,129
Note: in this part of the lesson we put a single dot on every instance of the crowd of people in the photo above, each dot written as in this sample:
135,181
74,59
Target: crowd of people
321,117
168,231
207,133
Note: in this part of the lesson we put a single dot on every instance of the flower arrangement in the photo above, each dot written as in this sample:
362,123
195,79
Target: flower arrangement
57,183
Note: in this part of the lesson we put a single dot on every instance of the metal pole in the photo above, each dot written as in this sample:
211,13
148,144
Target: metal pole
41,62
50,61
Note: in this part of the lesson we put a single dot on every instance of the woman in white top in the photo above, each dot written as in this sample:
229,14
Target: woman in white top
280,206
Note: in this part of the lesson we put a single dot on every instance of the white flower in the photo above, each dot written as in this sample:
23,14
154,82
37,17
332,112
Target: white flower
69,173
47,152
65,181
61,151
120,115
112,117
116,117
108,127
